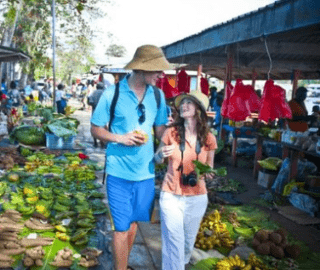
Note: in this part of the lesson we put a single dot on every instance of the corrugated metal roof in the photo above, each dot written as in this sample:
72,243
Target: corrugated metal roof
9,54
291,29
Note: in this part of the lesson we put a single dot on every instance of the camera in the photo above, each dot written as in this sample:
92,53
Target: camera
190,179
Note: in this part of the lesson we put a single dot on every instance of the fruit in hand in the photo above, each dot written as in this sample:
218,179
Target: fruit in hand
143,133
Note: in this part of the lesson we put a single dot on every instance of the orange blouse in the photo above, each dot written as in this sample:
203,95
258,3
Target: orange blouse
172,182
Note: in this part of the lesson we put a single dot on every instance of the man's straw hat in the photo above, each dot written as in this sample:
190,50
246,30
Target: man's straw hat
148,58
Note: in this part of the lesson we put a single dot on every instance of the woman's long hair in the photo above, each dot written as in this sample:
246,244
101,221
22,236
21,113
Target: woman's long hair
202,127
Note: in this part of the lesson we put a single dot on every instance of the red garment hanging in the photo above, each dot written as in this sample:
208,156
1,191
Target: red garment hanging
183,82
204,86
169,91
274,104
226,101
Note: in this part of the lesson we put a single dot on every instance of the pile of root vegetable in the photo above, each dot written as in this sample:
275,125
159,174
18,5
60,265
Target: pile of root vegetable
48,212
226,228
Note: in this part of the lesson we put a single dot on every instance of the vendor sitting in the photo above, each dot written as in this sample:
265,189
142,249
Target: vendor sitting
300,118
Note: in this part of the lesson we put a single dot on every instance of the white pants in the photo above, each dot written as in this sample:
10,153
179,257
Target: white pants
180,221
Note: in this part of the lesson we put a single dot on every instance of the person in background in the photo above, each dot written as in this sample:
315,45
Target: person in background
259,93
316,114
14,96
213,94
183,197
4,86
217,108
300,117
130,154
93,100
28,89
60,101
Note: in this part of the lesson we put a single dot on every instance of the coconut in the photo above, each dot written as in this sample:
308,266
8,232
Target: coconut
275,238
283,232
277,252
264,248
293,251
283,243
255,243
262,235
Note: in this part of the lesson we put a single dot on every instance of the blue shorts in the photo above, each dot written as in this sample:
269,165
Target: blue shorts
129,201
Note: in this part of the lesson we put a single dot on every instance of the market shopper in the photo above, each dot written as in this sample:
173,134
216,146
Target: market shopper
130,155
300,119
183,197
60,99
93,100
14,96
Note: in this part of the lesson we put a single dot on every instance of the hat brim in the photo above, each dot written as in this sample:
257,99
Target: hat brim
157,64
178,100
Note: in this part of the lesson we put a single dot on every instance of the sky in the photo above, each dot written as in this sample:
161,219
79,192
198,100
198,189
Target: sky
133,23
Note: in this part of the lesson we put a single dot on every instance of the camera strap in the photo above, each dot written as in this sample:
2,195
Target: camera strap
182,147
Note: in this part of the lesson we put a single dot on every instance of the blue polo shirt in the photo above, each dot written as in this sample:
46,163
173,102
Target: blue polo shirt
133,163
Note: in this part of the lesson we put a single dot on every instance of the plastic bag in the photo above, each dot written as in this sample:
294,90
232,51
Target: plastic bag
242,102
226,101
204,86
282,178
273,103
168,90
304,202
183,82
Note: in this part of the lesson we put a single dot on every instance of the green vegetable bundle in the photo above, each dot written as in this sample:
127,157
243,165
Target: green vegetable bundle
28,135
271,163
201,168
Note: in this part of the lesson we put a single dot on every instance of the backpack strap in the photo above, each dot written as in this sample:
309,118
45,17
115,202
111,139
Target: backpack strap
157,96
112,109
113,104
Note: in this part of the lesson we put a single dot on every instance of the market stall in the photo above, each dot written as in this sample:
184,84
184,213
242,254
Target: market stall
277,42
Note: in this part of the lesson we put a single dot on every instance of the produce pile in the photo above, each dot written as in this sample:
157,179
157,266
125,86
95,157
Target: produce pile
49,212
227,227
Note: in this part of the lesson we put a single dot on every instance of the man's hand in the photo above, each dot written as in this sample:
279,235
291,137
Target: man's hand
132,139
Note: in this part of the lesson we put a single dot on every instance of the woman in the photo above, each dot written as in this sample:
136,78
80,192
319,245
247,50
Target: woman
182,202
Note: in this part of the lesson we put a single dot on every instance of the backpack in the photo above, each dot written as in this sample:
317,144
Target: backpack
112,110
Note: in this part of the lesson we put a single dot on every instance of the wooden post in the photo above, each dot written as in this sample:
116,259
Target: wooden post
199,77
254,77
296,75
227,78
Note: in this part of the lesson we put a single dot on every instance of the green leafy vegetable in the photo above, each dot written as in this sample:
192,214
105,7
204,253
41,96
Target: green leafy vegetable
201,168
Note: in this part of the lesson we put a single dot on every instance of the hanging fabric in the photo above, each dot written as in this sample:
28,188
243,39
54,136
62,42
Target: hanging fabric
274,103
183,82
204,84
226,101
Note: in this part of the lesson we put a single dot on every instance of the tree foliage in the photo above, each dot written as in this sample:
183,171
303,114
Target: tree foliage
116,50
30,21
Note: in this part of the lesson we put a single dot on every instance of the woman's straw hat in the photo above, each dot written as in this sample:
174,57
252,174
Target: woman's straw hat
199,98
148,58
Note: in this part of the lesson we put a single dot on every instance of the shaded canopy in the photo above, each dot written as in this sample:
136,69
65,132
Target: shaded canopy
289,28
8,55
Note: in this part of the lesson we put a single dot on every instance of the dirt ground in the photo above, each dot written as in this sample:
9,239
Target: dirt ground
309,234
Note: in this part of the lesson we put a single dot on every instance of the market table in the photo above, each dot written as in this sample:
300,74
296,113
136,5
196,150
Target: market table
294,152
237,132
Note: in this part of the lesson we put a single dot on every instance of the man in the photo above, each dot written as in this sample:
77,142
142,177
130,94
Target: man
300,118
60,100
130,166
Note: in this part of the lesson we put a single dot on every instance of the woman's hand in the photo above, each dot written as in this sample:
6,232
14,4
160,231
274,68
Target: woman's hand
209,176
166,151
